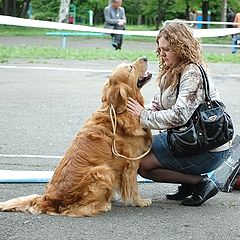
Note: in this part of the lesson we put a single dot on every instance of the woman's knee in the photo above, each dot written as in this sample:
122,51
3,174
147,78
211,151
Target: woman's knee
142,171
148,164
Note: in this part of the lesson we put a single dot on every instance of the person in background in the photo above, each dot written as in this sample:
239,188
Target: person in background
236,37
193,17
115,18
179,93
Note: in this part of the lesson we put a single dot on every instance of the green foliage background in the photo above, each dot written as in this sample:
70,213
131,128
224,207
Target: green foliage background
137,11
45,9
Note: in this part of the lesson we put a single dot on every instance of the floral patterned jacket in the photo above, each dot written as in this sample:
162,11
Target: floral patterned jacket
173,110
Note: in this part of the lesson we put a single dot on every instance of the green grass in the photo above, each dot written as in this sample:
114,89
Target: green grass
30,52
75,54
33,53
23,31
222,58
28,31
217,40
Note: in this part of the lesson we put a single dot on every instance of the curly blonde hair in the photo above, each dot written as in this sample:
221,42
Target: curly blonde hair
184,45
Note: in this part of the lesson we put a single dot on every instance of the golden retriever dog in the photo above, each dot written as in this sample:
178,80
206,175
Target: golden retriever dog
104,157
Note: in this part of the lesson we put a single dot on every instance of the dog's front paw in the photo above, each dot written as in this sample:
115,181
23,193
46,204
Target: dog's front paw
143,202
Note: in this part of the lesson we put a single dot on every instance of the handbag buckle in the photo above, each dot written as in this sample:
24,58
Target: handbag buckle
182,128
212,118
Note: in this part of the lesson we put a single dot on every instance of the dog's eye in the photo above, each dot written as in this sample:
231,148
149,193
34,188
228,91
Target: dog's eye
130,68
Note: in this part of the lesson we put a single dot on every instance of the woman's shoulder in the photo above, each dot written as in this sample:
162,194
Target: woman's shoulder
191,70
191,67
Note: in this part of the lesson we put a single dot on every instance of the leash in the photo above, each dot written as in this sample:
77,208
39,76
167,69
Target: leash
113,118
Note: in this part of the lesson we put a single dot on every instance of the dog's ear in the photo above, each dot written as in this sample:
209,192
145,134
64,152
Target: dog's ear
105,90
118,96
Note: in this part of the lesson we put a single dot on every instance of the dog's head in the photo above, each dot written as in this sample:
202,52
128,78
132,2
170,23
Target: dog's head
125,81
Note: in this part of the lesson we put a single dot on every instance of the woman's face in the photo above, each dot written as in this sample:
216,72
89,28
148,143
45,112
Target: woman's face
166,53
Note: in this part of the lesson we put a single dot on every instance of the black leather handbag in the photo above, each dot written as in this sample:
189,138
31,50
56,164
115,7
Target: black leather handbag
208,128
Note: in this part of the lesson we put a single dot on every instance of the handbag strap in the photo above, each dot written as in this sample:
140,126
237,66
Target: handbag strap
205,84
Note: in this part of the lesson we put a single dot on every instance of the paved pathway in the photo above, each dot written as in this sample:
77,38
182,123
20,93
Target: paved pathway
43,106
83,42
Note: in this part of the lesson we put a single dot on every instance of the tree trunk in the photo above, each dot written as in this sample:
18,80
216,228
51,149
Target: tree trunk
187,10
139,19
224,11
9,7
64,11
25,7
205,6
158,17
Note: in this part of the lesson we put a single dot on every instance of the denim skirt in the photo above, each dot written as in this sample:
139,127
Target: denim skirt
200,163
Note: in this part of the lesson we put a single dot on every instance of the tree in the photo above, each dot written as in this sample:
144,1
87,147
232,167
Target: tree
97,6
148,12
224,11
64,11
205,7
15,8
45,9
161,10
9,7
24,8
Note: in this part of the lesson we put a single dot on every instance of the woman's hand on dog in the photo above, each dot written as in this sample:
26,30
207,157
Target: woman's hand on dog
134,107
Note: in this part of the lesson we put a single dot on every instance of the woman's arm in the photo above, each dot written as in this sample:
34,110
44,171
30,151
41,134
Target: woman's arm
189,97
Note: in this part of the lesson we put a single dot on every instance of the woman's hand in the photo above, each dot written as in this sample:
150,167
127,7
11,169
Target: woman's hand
134,107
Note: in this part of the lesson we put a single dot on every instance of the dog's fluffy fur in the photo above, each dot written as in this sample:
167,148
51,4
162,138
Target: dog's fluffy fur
88,176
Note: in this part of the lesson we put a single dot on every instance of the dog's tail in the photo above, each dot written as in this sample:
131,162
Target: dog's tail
95,190
28,203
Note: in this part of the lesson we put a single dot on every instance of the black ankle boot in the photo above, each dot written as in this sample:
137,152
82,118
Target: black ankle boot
182,192
204,190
